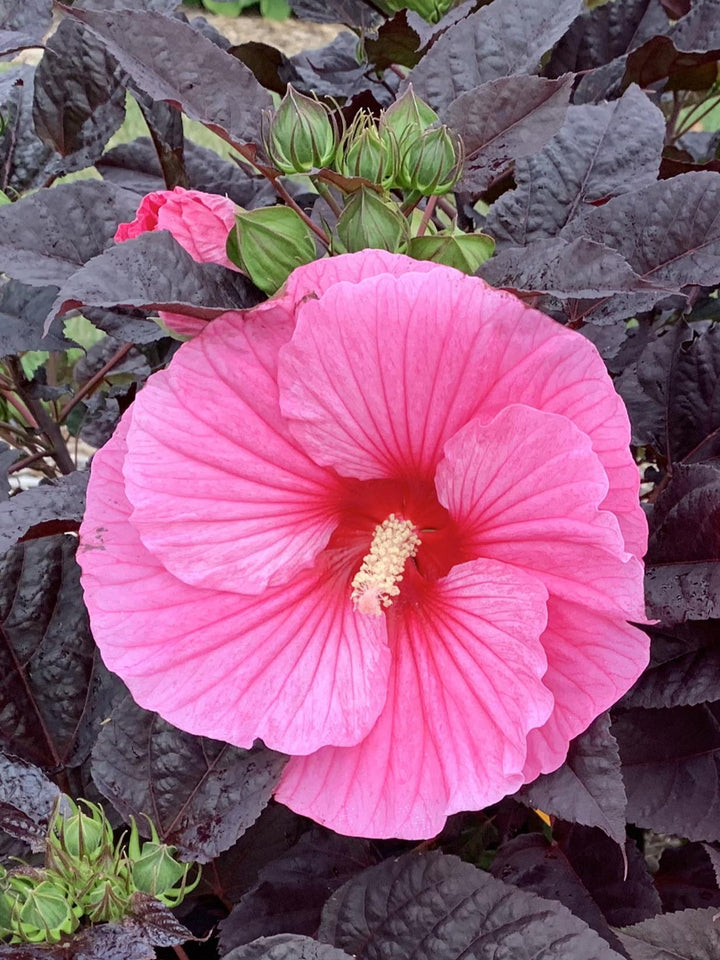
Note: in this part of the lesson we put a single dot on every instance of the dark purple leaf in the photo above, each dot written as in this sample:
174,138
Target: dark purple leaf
354,13
685,878
684,667
669,233
130,326
671,768
334,70
578,269
588,787
159,6
23,24
714,855
693,40
292,890
506,119
600,151
166,57
45,237
286,947
685,935
396,43
25,161
53,688
23,311
153,271
8,456
156,922
103,941
27,799
506,37
79,96
201,794
533,864
435,907
165,123
606,32
683,561
55,507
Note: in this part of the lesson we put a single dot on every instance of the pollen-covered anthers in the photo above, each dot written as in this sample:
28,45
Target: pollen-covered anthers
376,582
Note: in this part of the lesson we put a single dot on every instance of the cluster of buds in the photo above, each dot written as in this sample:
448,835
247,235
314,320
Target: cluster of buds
86,875
430,10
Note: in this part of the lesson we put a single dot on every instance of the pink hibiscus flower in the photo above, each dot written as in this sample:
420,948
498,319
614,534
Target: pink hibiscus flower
388,522
200,222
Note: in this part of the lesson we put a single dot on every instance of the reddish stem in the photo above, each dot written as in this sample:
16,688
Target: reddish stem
95,380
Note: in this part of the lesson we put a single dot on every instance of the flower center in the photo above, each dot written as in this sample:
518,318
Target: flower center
376,582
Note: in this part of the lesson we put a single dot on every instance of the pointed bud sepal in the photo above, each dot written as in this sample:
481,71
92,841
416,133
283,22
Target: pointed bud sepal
366,153
432,163
41,908
464,251
369,221
155,870
107,896
407,118
269,243
300,135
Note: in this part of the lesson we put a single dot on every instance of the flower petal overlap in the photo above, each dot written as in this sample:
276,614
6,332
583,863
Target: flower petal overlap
388,522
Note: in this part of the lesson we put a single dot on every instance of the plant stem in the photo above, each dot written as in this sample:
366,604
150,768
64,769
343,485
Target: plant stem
95,380
45,423
180,952
329,199
27,461
690,121
427,214
20,407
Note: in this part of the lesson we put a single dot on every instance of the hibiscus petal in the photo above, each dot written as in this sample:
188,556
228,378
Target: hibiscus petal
593,659
295,666
222,494
465,688
380,374
526,489
315,278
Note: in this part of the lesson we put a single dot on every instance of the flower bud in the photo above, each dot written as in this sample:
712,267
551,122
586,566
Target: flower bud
368,221
80,835
430,10
106,898
155,870
40,909
269,243
464,251
365,153
300,135
407,118
432,163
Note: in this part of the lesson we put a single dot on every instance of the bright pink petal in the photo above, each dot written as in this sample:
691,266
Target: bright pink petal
526,489
466,687
296,666
222,495
200,222
315,278
380,374
181,325
593,659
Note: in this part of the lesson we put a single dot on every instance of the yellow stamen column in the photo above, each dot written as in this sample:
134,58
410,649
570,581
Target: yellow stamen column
376,582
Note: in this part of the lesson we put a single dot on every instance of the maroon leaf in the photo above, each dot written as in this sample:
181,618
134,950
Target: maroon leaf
685,935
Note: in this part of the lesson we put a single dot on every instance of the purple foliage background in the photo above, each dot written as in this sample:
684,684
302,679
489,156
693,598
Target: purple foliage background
605,208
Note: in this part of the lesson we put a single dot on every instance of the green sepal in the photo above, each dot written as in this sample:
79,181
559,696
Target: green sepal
370,222
464,251
433,162
269,243
300,135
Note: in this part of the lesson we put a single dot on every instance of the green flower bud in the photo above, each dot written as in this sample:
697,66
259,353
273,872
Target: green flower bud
269,243
407,118
432,163
365,153
430,10
368,221
464,251
300,135
41,909
106,898
155,870
80,835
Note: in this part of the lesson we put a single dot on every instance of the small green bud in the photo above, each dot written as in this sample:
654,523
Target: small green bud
106,898
81,835
464,251
407,118
365,153
430,10
41,909
155,870
300,135
433,162
368,221
269,243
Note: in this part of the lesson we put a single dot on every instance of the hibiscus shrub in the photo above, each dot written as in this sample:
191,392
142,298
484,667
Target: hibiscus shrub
395,604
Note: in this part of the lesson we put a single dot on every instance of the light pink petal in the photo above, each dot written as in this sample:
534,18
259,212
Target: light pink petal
526,488
314,279
182,325
222,495
465,688
593,659
296,666
380,374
